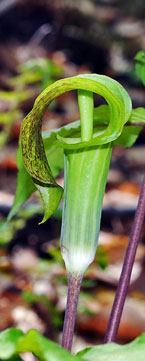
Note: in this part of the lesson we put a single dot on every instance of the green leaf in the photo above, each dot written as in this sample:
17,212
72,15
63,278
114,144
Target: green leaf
140,57
140,71
140,65
13,342
128,136
25,186
131,132
8,339
112,352
43,348
6,232
101,114
137,116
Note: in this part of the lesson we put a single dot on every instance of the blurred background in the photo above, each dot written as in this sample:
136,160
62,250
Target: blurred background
40,43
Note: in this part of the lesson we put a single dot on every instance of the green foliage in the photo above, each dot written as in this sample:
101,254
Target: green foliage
140,65
137,116
8,340
14,99
9,229
6,232
9,117
25,185
40,70
42,348
16,96
13,342
6,120
101,257
128,136
113,352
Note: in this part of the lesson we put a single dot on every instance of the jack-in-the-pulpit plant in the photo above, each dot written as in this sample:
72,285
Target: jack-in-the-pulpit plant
84,148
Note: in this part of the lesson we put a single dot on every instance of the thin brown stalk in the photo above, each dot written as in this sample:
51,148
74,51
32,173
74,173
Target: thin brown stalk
74,284
124,281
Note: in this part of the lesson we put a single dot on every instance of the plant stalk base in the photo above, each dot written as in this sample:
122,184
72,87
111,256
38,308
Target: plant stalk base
74,284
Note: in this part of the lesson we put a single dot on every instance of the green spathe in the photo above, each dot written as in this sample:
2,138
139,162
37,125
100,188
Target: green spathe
34,156
85,179
54,139
33,151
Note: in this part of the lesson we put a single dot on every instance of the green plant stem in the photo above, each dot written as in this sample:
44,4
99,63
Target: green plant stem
74,284
86,107
124,281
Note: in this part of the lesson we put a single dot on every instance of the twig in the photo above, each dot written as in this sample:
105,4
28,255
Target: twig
124,281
